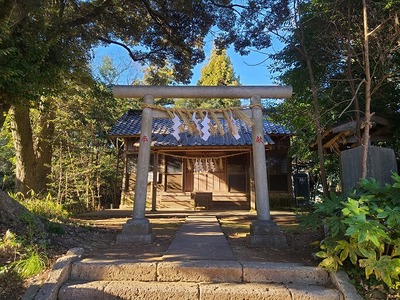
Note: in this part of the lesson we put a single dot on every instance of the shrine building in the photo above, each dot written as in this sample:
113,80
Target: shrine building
189,171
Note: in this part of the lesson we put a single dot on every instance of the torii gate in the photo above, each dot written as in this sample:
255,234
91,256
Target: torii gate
263,230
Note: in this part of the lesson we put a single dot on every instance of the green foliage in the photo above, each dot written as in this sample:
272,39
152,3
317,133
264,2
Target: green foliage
217,72
32,263
332,38
23,256
7,158
55,228
363,229
84,159
44,207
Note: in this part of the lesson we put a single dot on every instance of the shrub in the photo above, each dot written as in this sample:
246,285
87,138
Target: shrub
362,230
31,264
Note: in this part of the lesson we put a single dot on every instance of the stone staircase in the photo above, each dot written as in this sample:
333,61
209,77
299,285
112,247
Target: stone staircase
73,278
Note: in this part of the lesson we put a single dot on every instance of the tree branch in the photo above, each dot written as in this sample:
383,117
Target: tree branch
130,53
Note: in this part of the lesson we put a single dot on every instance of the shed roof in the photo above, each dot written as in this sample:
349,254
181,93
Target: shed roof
342,136
130,123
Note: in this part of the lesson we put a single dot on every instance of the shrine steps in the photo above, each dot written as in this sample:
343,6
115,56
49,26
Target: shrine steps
160,279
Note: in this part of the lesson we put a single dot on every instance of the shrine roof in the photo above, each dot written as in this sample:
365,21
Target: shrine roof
129,125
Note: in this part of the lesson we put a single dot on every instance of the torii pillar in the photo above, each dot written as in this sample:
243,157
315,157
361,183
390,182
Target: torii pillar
263,231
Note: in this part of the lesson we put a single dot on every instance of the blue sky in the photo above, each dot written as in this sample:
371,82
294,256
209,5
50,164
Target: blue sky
251,69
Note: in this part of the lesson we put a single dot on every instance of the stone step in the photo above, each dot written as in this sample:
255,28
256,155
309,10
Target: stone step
75,279
198,271
200,291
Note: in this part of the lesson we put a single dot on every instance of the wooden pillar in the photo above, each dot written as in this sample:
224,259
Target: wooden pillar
259,162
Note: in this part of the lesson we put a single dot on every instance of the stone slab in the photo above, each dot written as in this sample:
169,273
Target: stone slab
200,271
129,290
249,291
287,273
200,238
341,281
114,270
313,292
107,290
136,232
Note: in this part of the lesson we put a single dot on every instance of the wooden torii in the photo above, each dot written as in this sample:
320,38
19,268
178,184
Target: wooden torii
263,230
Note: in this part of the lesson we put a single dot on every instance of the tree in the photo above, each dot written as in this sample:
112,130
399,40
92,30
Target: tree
334,37
218,71
46,45
372,65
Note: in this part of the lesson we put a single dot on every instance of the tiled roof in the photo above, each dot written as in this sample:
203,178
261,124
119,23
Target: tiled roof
129,125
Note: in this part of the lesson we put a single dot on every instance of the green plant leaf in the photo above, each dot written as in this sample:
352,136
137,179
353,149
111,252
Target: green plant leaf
396,248
392,216
385,269
329,206
367,252
370,230
331,262
335,225
346,250
321,254
371,185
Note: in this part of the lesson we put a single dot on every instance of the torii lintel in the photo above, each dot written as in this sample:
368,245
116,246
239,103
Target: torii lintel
139,91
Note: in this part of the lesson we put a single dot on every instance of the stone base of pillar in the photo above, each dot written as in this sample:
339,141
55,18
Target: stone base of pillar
136,232
265,234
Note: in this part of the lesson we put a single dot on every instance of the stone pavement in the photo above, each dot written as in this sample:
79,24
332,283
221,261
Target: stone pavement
200,238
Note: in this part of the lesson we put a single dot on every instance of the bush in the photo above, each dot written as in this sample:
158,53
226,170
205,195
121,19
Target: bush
362,230
31,264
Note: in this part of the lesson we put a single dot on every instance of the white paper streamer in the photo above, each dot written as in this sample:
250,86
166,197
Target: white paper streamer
176,123
206,125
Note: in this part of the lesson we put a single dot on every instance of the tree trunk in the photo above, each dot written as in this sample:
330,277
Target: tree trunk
33,160
367,122
24,150
317,115
317,123
44,149
353,90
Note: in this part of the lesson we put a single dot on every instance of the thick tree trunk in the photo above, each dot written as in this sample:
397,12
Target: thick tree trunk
24,151
33,160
